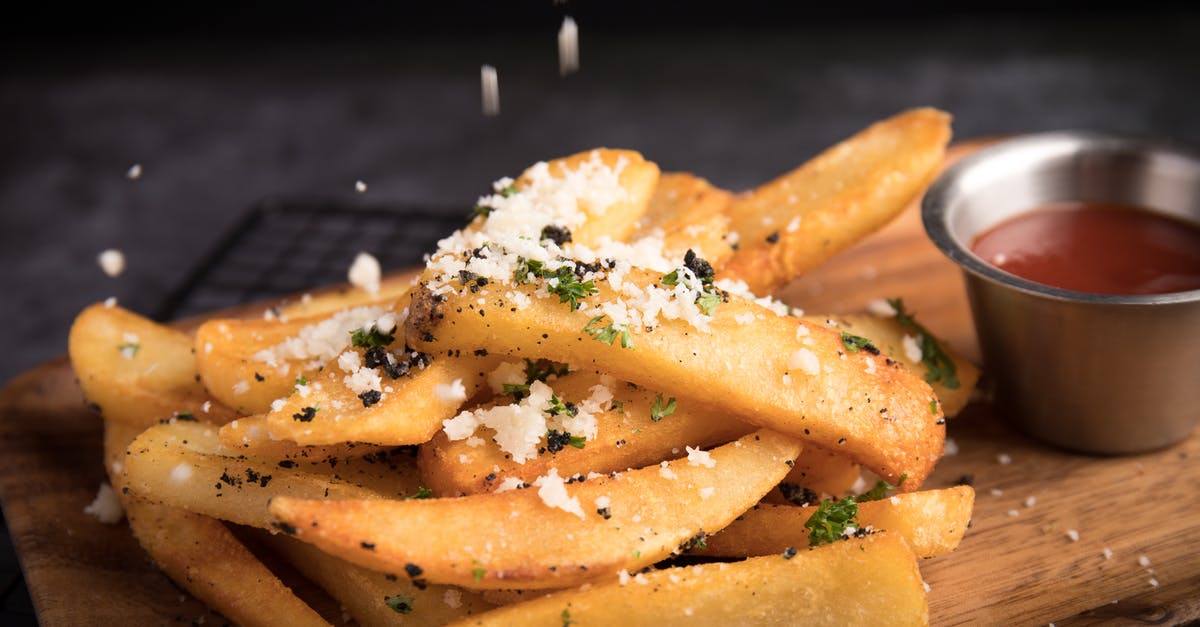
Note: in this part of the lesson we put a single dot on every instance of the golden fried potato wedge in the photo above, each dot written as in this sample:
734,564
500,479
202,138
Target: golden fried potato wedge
411,409
626,437
689,212
374,598
932,521
627,521
615,220
247,364
796,222
887,335
249,435
201,555
819,470
181,465
136,370
875,412
867,581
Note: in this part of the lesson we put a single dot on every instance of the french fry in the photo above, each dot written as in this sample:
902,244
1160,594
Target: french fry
411,410
690,213
180,464
821,471
249,435
201,555
867,581
887,334
877,413
627,437
228,353
643,516
136,370
374,598
797,221
932,521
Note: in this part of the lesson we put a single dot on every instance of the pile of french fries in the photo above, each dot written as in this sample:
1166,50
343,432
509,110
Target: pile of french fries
592,438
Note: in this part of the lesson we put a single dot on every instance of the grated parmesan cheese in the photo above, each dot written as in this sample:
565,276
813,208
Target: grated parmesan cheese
805,361
665,471
365,272
553,492
112,262
181,472
241,387
519,427
881,308
319,343
912,348
697,457
453,392
106,507
706,492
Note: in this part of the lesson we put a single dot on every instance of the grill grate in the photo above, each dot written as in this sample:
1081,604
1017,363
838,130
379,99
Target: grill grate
286,246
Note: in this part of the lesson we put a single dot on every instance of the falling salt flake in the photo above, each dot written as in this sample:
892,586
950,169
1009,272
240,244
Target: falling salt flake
568,47
365,272
1004,459
134,172
360,186
950,448
112,262
1073,535
490,82
1143,561
1107,553
1030,501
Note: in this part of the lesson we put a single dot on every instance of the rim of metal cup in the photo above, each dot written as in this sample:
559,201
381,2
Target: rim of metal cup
935,208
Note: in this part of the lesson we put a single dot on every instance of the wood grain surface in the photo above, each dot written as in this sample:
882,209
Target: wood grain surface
1016,565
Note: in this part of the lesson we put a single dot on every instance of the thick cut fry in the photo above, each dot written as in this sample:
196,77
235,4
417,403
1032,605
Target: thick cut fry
246,364
867,581
374,598
642,516
932,521
249,436
201,555
794,223
690,213
821,471
615,220
627,437
180,464
887,334
873,411
136,370
411,410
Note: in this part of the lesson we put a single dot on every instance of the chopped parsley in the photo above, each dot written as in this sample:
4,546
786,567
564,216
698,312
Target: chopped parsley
566,618
938,364
301,380
830,521
374,338
709,296
478,571
608,333
880,490
566,284
618,405
129,349
557,440
422,493
559,408
658,410
854,343
400,603
933,406
525,268
539,370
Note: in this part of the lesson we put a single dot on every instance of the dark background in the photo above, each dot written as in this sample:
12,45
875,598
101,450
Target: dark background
224,105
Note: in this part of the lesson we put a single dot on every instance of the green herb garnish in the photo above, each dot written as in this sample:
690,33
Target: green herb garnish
854,343
422,493
578,441
709,296
525,268
658,410
400,603
301,380
879,490
363,338
939,366
129,349
609,332
569,288
566,618
478,571
559,408
830,521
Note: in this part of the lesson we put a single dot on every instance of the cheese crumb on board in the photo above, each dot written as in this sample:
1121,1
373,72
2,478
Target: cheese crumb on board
106,507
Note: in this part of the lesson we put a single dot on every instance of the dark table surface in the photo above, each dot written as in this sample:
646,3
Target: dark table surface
219,124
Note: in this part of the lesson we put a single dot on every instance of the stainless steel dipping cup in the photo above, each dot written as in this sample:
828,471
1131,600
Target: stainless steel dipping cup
1088,372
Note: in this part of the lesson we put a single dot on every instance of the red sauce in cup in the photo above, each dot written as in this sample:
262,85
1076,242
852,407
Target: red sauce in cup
1096,247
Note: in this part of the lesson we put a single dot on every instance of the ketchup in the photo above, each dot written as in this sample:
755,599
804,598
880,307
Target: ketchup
1093,247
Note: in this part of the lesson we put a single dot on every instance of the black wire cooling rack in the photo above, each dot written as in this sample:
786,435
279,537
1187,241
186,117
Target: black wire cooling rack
284,246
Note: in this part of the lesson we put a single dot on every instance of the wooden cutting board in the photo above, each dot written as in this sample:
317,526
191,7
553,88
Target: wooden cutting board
1016,565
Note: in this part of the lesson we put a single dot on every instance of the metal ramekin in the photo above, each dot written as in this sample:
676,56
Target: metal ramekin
1087,372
